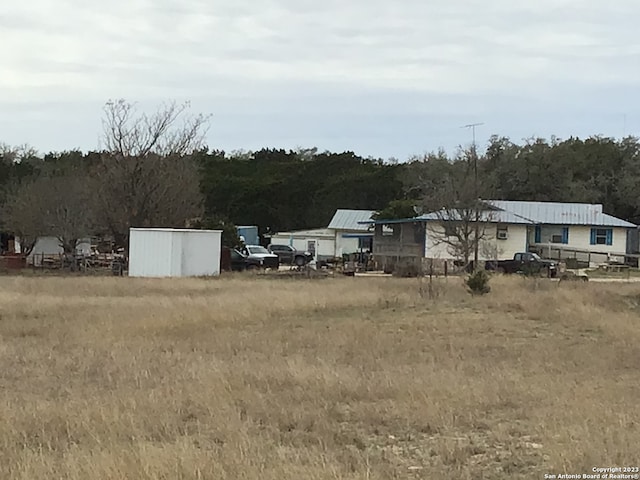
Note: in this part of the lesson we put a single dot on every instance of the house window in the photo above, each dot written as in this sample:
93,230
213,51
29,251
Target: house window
449,229
562,237
552,234
502,232
601,236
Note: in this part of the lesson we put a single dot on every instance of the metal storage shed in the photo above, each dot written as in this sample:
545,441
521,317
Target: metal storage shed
168,252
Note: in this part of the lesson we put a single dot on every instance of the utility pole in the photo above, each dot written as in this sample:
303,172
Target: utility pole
474,153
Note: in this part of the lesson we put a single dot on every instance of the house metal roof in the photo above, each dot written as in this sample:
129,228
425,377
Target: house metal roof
493,216
318,232
536,213
351,220
552,213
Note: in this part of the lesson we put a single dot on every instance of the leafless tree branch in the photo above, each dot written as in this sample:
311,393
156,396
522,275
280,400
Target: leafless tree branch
147,175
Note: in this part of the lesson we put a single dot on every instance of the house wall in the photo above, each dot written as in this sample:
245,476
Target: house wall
490,248
515,243
580,239
325,245
330,242
346,245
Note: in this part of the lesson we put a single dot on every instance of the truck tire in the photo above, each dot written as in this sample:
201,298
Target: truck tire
299,261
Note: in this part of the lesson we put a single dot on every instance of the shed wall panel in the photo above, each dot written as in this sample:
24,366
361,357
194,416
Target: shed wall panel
150,253
201,253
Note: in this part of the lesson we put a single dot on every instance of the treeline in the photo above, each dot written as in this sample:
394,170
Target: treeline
142,180
594,170
282,190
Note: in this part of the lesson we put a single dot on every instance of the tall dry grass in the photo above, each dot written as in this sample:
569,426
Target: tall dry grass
350,378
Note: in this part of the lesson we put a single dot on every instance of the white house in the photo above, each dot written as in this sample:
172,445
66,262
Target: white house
556,230
571,227
346,233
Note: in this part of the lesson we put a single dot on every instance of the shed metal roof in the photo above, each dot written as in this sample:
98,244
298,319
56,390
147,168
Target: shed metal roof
351,220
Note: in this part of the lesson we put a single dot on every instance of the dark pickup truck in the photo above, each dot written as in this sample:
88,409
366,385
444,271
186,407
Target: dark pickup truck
289,255
525,263
252,257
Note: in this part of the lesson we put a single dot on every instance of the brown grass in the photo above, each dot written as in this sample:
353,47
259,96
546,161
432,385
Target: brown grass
345,378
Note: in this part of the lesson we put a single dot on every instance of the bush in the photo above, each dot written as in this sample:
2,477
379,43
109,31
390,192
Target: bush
478,283
407,269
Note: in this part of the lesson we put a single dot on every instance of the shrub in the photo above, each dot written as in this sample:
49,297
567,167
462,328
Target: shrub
407,270
478,283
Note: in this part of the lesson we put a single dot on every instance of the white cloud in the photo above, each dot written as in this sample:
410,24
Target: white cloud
230,56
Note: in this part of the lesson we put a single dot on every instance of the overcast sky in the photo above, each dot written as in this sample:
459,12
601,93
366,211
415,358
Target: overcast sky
382,78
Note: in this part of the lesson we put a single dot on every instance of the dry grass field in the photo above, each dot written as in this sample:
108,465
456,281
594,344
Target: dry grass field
340,378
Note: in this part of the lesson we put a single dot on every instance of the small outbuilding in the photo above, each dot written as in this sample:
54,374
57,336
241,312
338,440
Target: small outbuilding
169,252
347,233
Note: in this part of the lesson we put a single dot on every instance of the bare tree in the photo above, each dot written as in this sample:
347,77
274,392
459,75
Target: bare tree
167,132
59,206
22,215
459,216
68,208
490,250
21,153
148,177
460,229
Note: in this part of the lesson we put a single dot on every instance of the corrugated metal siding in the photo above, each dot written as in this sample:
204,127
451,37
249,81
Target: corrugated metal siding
174,252
201,253
349,219
553,213
177,254
150,253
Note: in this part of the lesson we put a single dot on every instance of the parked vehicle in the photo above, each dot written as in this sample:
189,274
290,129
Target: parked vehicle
525,263
289,255
257,256
238,262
